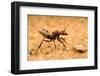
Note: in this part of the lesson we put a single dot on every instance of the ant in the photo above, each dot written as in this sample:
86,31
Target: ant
52,37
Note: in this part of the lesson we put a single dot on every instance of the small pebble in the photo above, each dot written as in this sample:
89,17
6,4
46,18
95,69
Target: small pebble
80,47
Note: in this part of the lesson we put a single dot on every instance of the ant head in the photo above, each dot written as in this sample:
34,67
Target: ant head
63,32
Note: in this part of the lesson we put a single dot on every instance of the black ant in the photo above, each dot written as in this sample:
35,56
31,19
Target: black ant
52,37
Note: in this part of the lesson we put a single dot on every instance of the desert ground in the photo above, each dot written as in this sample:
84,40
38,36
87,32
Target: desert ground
76,41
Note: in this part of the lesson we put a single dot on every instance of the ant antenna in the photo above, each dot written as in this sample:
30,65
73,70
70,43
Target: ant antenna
65,27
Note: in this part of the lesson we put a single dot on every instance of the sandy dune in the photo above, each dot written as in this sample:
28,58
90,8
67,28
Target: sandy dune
77,35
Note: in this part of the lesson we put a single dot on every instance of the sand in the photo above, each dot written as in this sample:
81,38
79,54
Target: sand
77,35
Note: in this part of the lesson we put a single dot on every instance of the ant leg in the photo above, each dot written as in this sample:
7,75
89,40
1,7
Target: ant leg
61,42
54,45
61,38
47,40
41,44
